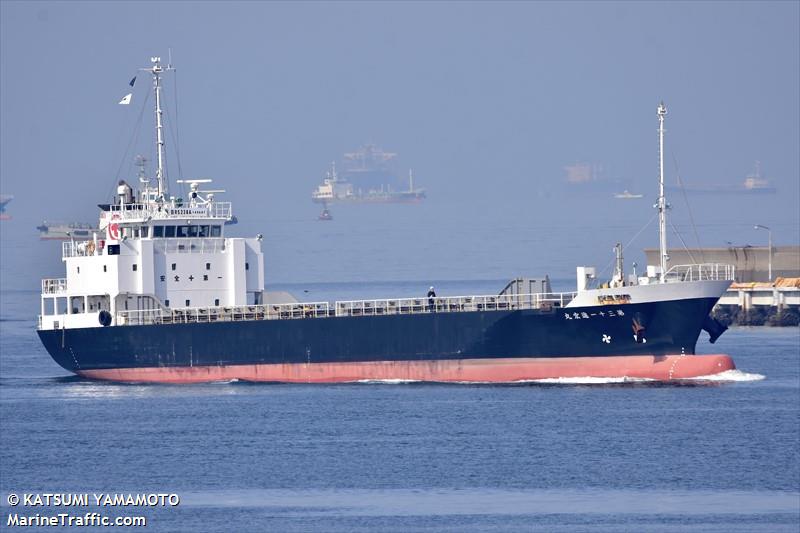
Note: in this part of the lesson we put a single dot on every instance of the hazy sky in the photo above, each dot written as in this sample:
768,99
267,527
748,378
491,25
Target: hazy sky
486,101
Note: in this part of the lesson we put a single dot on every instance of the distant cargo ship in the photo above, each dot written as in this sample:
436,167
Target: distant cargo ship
64,231
368,178
752,184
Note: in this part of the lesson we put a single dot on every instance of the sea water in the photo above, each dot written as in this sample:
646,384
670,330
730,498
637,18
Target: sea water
712,454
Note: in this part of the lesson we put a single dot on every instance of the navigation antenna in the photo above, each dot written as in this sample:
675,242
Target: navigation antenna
662,201
141,162
144,181
156,71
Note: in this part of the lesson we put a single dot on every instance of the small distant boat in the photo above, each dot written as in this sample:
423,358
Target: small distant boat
754,183
325,215
626,195
4,199
64,231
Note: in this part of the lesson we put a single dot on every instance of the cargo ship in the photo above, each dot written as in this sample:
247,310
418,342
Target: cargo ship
368,178
752,184
64,231
163,295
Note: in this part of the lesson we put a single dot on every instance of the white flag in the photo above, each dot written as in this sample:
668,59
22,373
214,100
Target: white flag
127,99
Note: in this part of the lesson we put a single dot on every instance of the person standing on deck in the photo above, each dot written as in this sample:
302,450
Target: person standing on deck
431,298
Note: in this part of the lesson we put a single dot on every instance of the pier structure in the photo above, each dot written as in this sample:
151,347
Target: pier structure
759,303
781,294
753,298
752,262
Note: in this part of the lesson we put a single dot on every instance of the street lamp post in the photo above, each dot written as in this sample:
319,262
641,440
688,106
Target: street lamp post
769,233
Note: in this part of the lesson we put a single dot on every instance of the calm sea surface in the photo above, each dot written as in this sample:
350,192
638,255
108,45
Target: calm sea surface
697,456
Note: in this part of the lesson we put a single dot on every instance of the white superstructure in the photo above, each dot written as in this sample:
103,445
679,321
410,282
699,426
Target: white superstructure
332,188
154,252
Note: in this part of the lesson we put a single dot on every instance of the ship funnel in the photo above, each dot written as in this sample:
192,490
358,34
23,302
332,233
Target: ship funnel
584,276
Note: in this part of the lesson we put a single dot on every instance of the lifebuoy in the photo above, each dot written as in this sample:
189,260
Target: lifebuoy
113,229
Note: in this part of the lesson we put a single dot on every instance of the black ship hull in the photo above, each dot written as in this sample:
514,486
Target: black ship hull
651,340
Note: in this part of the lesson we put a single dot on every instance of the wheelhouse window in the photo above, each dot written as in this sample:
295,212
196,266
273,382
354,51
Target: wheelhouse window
187,231
77,305
98,302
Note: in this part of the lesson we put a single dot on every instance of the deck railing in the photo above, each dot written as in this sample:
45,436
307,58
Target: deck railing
224,314
54,286
701,272
394,306
402,306
170,210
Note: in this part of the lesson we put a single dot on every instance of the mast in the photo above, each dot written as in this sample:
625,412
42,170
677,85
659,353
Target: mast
619,273
156,70
662,201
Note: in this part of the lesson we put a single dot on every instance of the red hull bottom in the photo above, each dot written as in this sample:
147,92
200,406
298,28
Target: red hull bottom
661,368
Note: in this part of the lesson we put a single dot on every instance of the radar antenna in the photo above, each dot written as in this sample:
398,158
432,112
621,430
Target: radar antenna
141,162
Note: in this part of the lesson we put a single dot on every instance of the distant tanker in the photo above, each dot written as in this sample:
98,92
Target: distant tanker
368,178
